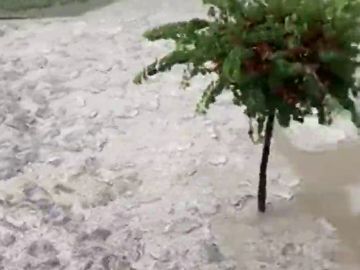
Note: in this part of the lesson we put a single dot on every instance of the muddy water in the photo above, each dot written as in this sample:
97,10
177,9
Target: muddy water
330,189
330,186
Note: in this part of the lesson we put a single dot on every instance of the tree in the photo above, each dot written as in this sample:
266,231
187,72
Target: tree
281,59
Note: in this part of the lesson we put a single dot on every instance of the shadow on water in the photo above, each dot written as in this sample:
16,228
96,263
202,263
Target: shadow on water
70,9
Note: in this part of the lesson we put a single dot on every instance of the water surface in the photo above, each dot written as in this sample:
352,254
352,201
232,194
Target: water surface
71,9
327,203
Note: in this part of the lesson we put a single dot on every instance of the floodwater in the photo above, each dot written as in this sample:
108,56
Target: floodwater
72,9
330,189
330,186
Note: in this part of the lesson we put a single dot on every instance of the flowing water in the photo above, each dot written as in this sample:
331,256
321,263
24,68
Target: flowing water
330,189
75,8
330,186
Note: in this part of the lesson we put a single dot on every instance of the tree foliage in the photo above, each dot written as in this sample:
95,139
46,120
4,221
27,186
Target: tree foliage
289,57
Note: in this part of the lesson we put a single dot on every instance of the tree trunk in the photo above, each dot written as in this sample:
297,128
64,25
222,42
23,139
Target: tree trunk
264,161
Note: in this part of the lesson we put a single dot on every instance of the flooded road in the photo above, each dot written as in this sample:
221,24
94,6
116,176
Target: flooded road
330,186
328,200
87,130
75,8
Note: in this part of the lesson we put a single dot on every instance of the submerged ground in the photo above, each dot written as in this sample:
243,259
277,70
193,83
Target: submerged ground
48,8
98,173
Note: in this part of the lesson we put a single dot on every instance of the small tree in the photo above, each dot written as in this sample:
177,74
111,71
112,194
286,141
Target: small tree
283,59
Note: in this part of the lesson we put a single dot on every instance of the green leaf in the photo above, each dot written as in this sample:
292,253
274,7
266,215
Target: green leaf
255,11
283,69
231,7
209,96
343,68
254,100
330,56
313,90
162,65
349,105
284,116
175,30
232,65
